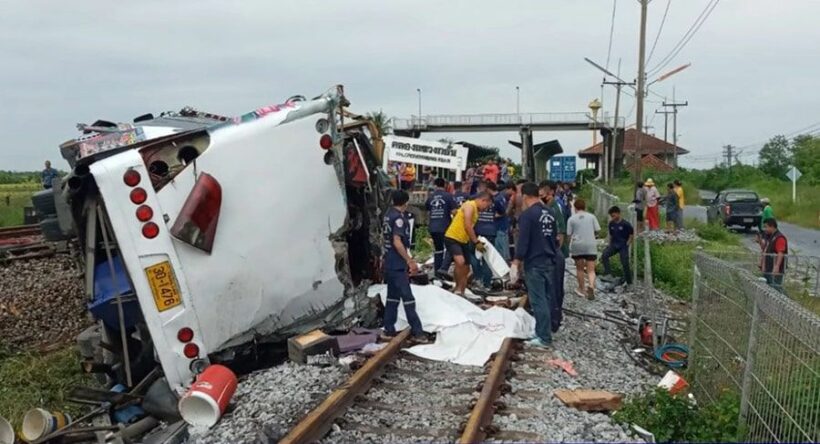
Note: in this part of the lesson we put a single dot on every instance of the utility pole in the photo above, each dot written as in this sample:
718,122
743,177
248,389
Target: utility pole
641,86
665,123
727,151
675,105
609,153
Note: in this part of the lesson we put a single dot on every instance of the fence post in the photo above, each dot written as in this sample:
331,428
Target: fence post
647,264
693,316
748,368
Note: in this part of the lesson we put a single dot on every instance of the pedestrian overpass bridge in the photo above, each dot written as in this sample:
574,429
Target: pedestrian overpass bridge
453,123
523,123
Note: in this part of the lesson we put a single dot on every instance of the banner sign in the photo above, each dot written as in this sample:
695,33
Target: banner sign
425,152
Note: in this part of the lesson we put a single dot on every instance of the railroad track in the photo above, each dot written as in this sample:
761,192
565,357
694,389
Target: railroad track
397,397
23,242
20,231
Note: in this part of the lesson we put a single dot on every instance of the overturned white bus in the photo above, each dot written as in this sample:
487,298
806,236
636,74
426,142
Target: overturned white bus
205,235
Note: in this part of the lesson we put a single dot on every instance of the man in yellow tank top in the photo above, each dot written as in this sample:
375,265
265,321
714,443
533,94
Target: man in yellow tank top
460,238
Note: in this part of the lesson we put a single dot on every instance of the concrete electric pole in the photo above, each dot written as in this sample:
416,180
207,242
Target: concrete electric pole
675,105
609,153
640,90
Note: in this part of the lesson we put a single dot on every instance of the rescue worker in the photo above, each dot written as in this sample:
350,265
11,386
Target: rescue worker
460,195
502,220
443,271
397,264
461,240
440,207
621,235
773,260
547,192
485,226
537,249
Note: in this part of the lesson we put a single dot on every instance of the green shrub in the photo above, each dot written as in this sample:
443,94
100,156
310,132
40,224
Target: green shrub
675,418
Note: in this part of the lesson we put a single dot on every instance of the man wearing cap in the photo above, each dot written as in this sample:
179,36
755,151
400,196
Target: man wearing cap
653,217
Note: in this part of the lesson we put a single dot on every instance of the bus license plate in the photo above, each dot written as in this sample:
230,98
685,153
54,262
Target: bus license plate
163,286
748,220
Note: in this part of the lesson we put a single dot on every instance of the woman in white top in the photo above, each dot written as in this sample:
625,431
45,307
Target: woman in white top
582,228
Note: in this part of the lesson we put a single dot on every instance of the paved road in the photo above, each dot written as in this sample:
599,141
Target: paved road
802,240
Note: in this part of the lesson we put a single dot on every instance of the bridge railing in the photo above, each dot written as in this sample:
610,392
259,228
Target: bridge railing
523,119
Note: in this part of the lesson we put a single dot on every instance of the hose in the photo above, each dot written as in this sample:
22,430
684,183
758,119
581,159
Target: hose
673,355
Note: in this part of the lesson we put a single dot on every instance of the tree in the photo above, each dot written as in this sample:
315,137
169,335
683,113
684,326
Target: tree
806,157
775,157
382,122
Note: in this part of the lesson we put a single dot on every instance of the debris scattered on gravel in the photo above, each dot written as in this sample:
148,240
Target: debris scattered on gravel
660,236
41,302
268,402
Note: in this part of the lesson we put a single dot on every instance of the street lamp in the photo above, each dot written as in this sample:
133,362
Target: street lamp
418,90
518,101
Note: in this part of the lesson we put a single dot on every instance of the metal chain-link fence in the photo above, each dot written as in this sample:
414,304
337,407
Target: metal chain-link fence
801,274
748,339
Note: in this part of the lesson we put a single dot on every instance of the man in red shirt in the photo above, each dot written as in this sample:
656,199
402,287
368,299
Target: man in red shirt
775,249
491,171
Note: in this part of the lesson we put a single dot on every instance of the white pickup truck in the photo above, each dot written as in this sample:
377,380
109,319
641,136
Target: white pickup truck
205,235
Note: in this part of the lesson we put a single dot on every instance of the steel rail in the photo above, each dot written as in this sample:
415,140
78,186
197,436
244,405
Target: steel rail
319,420
482,414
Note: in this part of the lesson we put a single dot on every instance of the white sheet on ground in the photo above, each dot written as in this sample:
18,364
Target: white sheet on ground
466,334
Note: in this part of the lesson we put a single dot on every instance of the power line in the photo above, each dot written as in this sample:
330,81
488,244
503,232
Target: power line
611,33
693,29
660,29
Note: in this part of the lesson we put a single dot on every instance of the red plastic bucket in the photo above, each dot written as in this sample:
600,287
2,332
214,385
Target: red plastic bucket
208,397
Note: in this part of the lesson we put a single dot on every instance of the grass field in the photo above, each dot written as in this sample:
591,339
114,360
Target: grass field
29,380
13,197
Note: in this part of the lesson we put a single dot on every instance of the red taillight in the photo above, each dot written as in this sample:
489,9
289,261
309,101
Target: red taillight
196,223
150,230
131,178
185,334
326,142
190,350
144,213
138,195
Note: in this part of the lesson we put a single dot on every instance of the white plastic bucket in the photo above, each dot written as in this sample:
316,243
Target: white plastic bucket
6,431
40,422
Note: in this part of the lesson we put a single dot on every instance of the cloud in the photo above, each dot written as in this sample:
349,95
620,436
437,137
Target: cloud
69,62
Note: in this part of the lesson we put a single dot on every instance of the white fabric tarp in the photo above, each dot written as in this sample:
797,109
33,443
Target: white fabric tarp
466,334
493,258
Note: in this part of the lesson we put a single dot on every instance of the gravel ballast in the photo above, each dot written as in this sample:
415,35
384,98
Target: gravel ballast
268,402
41,302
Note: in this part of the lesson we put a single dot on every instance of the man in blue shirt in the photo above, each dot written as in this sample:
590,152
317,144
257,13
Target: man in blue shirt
502,221
440,207
485,227
48,175
620,238
397,264
459,195
537,248
547,191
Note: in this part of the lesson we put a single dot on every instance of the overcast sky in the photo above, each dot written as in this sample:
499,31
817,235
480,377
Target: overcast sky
755,63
